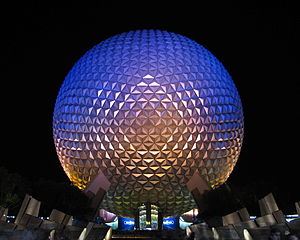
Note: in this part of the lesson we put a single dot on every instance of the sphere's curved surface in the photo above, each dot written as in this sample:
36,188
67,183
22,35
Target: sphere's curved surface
148,108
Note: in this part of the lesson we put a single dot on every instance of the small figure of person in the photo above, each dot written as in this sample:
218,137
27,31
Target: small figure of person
275,234
292,237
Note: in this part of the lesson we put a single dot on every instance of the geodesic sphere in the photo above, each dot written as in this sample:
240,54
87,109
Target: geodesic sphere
148,108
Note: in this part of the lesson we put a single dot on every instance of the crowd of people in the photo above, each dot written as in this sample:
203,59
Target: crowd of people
276,234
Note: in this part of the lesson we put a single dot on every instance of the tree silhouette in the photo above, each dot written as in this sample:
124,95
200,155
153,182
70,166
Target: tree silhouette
218,202
61,196
13,188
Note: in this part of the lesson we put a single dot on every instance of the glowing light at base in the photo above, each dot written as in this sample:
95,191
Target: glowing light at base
148,108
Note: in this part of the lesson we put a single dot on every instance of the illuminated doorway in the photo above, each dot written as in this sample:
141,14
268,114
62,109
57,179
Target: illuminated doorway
148,217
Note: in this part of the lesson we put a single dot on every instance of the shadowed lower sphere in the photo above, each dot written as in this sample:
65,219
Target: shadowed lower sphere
148,108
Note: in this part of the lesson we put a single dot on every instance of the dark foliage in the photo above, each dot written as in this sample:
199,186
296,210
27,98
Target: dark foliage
13,188
249,194
218,202
229,198
61,196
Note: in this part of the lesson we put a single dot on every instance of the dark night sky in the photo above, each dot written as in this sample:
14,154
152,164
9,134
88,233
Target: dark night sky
256,44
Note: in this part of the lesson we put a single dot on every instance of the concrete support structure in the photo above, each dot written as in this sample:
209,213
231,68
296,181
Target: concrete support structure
238,217
297,204
270,213
95,231
30,206
197,185
96,190
231,218
61,218
267,205
244,214
3,214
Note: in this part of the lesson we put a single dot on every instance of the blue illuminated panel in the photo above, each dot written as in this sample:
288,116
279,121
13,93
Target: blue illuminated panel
170,223
126,224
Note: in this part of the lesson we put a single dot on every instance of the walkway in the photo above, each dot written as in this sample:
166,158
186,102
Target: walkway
148,235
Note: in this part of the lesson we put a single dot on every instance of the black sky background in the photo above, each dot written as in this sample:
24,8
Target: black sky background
255,42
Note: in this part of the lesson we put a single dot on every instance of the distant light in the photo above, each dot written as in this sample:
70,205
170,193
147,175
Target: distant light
291,217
